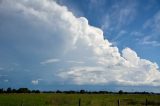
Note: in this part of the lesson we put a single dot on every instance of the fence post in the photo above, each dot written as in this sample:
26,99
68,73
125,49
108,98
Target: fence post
146,102
118,102
22,103
79,103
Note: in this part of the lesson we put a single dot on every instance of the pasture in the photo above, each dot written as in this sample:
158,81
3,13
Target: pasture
51,99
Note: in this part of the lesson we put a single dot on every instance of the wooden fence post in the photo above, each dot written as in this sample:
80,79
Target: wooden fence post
79,103
146,102
118,102
22,103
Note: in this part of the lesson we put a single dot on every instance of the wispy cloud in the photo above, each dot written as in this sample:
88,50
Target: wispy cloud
76,62
1,68
120,34
148,41
6,80
2,75
119,15
50,61
96,4
136,34
153,24
151,31
36,82
149,34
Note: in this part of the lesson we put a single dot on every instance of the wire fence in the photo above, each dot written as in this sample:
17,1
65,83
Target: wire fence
120,102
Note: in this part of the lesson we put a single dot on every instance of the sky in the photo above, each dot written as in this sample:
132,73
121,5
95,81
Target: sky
80,44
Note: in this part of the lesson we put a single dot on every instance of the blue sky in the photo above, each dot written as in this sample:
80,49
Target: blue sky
80,44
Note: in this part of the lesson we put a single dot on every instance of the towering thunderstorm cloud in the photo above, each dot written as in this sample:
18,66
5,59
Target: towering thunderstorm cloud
52,35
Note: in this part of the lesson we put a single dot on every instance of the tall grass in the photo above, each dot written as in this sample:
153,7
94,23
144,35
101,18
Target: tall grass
73,99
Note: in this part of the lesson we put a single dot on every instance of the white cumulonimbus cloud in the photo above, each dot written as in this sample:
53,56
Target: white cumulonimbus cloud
35,82
73,39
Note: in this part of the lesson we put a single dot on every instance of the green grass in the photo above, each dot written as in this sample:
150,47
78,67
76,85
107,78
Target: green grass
72,99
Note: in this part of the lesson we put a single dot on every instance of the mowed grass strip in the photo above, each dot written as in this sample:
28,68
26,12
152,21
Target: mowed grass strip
50,99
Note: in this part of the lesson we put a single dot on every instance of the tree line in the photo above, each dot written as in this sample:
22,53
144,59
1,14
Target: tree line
20,90
26,90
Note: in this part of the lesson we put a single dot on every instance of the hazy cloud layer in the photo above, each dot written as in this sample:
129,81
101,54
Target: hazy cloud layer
45,30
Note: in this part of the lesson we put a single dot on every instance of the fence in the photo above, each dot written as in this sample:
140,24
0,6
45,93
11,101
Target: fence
131,102
121,102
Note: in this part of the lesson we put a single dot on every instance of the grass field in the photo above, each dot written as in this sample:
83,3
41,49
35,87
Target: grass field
73,100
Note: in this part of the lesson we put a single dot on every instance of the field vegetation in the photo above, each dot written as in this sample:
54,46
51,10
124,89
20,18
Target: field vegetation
63,99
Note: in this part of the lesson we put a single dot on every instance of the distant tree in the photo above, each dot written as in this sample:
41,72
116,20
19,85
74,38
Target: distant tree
125,92
14,91
23,90
144,92
120,92
94,92
103,92
58,91
37,91
82,91
9,90
70,92
1,90
33,91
